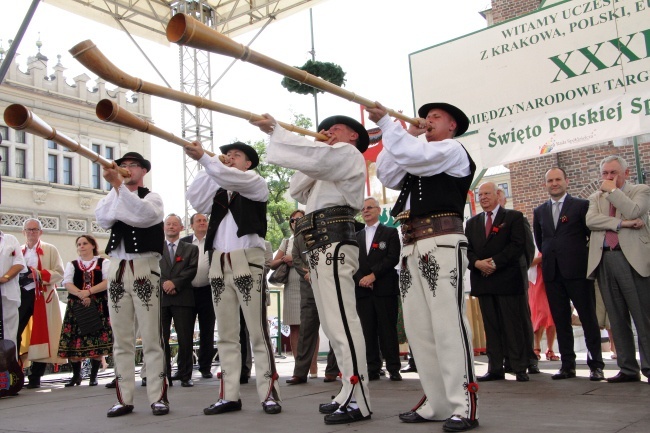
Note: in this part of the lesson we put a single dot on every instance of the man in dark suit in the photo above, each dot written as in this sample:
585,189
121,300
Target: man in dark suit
377,288
497,267
202,295
178,267
562,236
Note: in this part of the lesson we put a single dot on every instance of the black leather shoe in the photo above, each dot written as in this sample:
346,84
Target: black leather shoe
459,423
111,384
222,407
271,409
328,407
488,377
207,375
522,376
73,381
622,377
143,382
564,373
119,409
409,369
345,417
92,382
412,417
373,376
295,380
329,378
243,380
533,369
187,383
34,382
596,375
395,376
160,408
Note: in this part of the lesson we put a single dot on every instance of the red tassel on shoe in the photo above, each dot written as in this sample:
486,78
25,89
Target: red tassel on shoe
354,380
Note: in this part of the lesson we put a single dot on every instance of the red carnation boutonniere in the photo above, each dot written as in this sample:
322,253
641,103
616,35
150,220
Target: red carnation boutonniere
495,229
179,259
374,245
564,219
39,251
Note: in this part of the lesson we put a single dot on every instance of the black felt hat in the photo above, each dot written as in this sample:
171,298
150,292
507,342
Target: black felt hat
357,127
462,122
250,152
135,156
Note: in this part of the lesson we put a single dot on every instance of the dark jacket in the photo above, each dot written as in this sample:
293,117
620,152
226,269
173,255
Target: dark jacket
181,270
381,260
506,246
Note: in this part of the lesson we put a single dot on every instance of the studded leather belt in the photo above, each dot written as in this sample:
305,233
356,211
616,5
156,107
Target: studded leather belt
416,228
326,226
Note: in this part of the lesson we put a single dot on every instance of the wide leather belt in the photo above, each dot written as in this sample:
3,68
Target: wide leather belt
326,226
416,228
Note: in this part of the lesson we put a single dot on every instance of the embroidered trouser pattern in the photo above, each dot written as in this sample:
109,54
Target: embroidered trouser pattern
238,277
436,325
134,298
331,271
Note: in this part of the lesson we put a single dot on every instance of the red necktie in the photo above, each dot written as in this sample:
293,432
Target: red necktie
611,237
488,224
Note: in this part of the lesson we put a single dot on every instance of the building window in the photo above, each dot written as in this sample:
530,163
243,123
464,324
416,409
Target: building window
476,195
52,168
4,155
4,132
67,170
505,188
51,145
20,137
21,164
96,169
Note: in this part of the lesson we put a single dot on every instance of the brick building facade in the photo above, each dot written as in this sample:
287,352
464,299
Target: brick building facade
581,165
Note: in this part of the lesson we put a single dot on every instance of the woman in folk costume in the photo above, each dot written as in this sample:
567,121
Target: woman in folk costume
40,301
85,281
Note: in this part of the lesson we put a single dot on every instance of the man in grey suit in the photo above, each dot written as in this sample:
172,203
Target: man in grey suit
618,258
178,266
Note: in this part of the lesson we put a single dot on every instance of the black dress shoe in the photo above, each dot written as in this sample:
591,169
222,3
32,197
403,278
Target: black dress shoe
34,382
273,408
412,417
206,375
143,382
488,377
328,407
73,381
373,376
522,376
596,375
160,408
533,369
92,382
329,378
564,373
345,417
222,407
243,380
395,376
111,384
295,380
119,409
622,377
409,369
187,383
459,423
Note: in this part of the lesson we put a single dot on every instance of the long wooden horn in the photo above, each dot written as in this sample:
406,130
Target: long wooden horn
109,111
91,57
22,118
185,30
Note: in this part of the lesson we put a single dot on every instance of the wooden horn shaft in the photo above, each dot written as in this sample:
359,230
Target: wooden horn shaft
109,111
185,30
93,59
22,118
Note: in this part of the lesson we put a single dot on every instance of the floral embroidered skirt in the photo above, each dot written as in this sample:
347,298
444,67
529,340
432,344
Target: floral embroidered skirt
74,345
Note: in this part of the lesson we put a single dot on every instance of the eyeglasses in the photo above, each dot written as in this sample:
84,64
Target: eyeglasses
32,230
129,165
293,220
370,207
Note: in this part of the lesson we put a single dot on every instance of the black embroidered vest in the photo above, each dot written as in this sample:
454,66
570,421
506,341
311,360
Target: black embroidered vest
435,194
137,240
78,277
249,215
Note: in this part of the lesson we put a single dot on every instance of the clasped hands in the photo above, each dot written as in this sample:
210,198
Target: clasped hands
486,266
169,287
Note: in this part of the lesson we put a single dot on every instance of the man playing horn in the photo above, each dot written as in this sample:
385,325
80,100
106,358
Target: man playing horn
434,177
330,180
235,196
135,216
